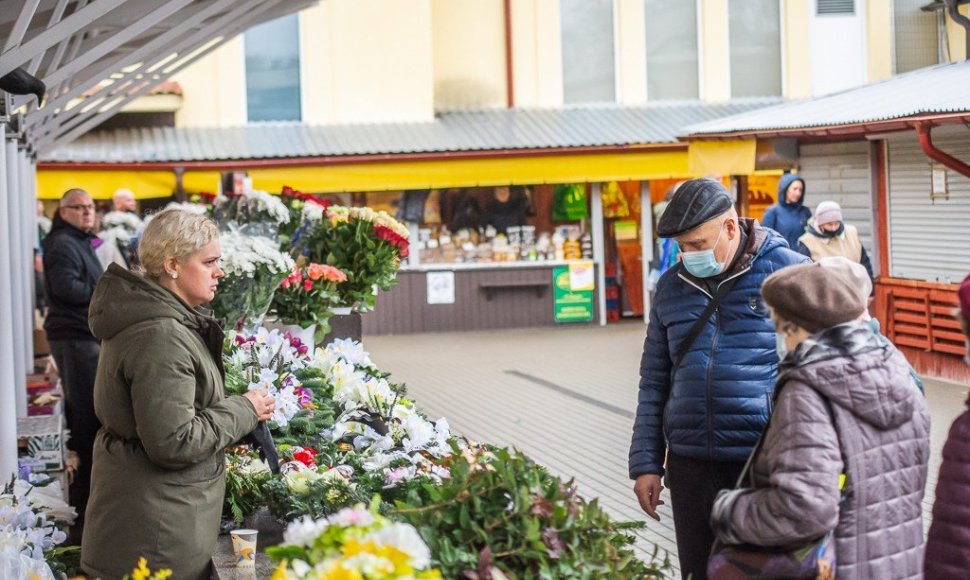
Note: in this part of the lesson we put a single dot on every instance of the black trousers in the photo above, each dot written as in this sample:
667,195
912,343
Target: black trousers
693,485
77,362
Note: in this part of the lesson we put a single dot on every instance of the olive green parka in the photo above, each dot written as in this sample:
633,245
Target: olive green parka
158,478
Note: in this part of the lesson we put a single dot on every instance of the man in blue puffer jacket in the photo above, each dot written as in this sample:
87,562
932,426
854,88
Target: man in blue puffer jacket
705,416
789,216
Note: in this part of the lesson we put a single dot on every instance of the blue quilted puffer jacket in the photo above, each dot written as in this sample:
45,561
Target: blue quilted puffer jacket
717,404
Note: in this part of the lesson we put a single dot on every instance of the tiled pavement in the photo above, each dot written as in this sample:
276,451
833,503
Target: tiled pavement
566,396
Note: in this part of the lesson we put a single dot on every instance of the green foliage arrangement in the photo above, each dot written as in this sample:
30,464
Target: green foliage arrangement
500,510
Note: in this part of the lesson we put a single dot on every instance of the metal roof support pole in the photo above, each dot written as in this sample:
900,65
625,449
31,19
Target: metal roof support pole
229,24
56,59
926,144
163,43
126,34
23,53
8,382
56,16
14,243
72,44
646,244
28,184
20,26
95,116
597,228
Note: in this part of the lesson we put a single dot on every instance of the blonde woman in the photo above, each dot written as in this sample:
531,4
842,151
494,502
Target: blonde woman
158,478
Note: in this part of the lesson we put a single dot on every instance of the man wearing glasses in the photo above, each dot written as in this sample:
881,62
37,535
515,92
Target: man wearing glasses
71,272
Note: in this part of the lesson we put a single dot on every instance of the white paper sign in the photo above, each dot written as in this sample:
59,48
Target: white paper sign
441,287
581,276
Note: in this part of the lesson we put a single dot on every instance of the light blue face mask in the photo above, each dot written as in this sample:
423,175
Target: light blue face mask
781,346
703,263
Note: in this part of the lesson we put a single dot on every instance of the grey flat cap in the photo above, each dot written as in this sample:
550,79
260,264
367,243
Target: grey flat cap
696,201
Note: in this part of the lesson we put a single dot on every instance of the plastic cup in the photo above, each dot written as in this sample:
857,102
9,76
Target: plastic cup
244,547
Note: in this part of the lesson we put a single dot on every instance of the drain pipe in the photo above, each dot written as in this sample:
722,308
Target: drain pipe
926,144
954,10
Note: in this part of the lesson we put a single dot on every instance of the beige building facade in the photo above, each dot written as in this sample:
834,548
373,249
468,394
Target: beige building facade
367,61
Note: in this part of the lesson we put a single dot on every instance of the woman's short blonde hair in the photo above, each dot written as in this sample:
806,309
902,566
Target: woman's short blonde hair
173,233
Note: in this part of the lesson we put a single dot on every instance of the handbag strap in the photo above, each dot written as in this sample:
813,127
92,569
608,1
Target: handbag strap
748,473
701,322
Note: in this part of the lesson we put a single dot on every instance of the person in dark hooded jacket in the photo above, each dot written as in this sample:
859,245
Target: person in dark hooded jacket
697,422
789,216
948,545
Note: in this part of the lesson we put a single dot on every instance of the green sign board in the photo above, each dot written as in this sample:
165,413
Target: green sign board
570,305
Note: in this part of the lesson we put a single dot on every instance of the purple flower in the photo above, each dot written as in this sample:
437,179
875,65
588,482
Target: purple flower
304,395
25,472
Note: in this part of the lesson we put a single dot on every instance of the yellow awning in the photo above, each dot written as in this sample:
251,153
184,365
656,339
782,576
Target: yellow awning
735,157
637,164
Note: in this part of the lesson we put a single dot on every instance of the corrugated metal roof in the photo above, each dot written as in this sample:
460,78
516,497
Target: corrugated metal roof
478,130
938,89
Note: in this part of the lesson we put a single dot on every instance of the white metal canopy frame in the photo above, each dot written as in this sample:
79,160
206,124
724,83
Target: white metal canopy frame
95,56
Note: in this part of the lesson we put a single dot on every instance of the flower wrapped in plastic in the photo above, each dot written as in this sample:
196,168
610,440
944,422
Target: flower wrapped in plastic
353,543
28,536
255,213
253,268
306,297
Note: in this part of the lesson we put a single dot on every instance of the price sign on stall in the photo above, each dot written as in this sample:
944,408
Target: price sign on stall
570,305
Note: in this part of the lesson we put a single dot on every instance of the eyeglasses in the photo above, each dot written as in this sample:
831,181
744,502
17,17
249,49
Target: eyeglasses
81,207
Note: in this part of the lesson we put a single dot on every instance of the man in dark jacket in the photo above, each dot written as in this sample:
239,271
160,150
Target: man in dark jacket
71,271
705,416
789,216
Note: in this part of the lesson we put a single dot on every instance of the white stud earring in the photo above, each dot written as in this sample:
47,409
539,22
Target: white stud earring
175,275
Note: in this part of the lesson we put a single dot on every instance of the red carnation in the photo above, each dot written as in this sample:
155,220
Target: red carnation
308,284
306,456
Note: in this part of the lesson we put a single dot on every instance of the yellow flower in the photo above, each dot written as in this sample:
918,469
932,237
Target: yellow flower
163,574
399,559
141,572
338,571
280,572
432,574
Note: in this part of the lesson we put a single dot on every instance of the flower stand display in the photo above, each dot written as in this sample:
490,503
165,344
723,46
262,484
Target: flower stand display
368,486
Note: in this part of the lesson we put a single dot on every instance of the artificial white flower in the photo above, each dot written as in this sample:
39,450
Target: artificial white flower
406,539
352,516
242,255
304,531
258,202
128,221
419,433
312,213
351,351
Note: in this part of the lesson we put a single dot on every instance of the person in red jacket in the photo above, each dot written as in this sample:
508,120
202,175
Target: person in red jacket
948,545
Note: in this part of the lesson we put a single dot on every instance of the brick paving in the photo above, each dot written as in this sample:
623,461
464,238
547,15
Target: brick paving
566,396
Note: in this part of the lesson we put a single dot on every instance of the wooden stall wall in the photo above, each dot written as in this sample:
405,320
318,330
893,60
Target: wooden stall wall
918,318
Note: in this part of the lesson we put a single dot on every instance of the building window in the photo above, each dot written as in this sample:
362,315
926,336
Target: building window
755,32
671,49
273,70
587,51
915,36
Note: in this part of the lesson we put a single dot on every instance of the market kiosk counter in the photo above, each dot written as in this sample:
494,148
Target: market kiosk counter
483,296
